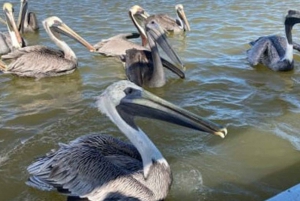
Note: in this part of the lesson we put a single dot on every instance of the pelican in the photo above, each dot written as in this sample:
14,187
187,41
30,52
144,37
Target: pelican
117,45
11,40
275,52
171,25
40,61
27,21
144,67
100,167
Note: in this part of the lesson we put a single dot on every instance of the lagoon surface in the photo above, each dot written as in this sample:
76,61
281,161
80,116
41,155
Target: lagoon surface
260,156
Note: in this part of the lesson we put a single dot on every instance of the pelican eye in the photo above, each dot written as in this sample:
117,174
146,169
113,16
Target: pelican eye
128,90
57,23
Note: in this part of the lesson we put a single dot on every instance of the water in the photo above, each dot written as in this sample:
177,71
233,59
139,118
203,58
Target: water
258,158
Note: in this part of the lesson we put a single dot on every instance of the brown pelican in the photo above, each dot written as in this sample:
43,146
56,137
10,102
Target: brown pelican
117,45
11,40
275,52
27,21
100,167
40,61
144,67
171,25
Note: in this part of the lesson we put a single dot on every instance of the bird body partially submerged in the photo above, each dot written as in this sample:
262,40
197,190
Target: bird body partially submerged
171,25
40,61
100,167
275,52
144,67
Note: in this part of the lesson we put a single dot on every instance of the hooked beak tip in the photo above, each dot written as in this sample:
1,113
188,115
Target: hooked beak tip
222,133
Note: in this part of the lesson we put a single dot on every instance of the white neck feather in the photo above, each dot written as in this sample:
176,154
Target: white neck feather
288,52
69,54
138,138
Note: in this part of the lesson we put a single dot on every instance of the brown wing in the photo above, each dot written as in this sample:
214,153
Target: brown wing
39,61
117,45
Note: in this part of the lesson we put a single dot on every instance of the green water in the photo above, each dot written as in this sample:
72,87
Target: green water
259,157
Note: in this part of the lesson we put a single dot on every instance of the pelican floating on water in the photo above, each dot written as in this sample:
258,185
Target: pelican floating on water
27,21
117,45
100,167
171,25
276,52
144,67
40,61
11,40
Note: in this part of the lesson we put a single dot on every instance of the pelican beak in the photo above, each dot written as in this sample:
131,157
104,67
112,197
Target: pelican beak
155,35
182,16
65,30
21,18
11,25
139,102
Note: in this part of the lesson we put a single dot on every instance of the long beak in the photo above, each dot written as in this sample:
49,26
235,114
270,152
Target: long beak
22,13
144,104
12,28
64,29
182,16
156,35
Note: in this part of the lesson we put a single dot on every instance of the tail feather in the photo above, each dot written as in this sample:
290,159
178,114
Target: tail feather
35,182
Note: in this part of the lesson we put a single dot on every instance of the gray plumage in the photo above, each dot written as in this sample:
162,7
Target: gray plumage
117,45
113,164
275,52
5,43
40,61
100,167
144,67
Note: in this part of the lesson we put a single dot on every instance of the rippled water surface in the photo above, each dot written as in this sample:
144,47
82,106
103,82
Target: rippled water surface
260,156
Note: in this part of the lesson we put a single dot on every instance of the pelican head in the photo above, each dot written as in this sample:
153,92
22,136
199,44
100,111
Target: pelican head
138,15
54,26
182,17
16,38
124,100
156,35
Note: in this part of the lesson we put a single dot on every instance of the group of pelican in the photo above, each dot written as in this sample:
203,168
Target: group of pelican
100,167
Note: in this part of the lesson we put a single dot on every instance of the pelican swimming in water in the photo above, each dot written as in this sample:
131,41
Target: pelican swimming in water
100,167
117,45
11,40
144,67
27,21
171,25
275,52
40,61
